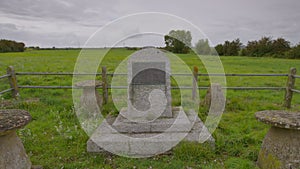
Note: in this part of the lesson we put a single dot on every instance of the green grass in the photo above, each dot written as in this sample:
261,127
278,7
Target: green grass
55,139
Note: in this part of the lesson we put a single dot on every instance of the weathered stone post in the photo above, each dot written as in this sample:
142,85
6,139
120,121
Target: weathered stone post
13,82
289,86
195,83
104,85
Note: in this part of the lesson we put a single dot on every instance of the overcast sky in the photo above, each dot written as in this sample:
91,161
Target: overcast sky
70,23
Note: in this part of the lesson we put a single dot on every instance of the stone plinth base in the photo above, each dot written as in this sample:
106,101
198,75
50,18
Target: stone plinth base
280,149
281,145
127,138
12,152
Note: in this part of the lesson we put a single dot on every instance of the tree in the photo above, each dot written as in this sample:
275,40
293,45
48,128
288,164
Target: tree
293,53
229,48
219,49
259,48
236,47
267,47
202,47
279,47
11,46
178,41
226,48
232,48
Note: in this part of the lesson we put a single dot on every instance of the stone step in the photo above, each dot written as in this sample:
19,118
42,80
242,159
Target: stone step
135,145
179,122
145,142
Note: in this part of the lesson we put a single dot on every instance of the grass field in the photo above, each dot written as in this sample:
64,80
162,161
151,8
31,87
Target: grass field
54,139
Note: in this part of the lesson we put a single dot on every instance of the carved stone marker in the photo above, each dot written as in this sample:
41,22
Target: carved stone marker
12,152
149,125
281,146
148,75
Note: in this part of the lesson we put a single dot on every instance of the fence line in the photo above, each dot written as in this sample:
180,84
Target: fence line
125,74
234,74
228,88
125,87
57,74
52,87
255,88
289,88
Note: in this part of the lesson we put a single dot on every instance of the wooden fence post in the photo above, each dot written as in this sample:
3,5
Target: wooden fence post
13,82
104,85
289,86
195,83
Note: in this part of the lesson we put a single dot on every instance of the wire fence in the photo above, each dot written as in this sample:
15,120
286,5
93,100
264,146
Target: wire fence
14,87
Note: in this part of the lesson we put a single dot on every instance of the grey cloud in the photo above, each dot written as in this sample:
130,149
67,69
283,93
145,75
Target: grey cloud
73,21
57,10
7,26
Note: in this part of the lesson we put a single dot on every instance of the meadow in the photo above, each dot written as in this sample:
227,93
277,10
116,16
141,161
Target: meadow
54,138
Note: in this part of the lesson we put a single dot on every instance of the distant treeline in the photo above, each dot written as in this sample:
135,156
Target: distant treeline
265,47
11,46
53,48
180,41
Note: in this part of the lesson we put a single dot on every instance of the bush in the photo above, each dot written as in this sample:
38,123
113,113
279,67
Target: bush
267,47
229,48
293,53
11,46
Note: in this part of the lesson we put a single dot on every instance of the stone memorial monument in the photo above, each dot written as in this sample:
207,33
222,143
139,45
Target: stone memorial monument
149,125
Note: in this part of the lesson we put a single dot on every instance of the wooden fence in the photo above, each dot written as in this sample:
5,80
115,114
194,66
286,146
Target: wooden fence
14,87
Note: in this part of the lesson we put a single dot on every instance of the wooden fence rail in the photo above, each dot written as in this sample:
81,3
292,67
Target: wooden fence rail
6,90
50,87
4,76
125,74
296,91
212,74
57,74
14,87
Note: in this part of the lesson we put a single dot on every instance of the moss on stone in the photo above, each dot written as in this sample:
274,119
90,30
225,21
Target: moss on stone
268,161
